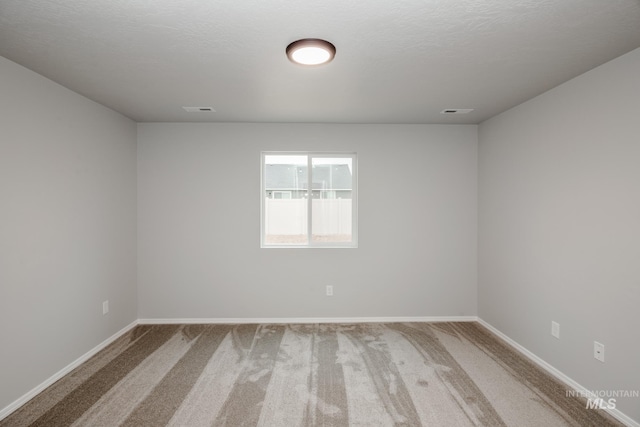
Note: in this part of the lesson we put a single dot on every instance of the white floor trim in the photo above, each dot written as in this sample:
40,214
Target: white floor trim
243,320
5,412
620,416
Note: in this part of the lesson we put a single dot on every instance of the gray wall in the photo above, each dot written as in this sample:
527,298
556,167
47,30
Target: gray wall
559,226
67,227
199,250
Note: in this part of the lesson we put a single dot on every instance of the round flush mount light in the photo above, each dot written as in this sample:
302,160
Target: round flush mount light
311,52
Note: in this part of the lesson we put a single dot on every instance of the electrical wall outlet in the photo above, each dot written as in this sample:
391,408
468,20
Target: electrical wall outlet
598,351
555,329
105,307
329,290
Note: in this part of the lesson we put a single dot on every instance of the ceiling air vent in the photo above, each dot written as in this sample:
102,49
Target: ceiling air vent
456,111
199,109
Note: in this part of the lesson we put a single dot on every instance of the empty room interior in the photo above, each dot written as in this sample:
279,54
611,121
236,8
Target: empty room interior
439,225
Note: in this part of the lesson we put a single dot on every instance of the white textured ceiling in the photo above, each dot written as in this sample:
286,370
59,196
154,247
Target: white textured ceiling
400,61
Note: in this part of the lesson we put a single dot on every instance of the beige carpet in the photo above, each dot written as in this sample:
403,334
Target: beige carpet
391,374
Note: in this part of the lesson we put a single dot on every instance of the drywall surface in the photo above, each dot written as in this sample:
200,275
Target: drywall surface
559,226
67,227
199,252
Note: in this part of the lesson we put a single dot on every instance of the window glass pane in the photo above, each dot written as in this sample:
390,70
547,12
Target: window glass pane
332,195
285,199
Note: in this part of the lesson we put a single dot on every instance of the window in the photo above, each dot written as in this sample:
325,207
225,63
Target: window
308,200
281,194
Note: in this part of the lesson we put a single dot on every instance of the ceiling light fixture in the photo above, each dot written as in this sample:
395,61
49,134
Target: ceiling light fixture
311,52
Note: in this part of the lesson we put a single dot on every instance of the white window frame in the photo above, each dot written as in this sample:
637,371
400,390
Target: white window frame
354,197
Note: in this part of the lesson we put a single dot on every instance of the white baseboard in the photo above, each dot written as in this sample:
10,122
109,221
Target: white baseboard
620,416
298,320
64,371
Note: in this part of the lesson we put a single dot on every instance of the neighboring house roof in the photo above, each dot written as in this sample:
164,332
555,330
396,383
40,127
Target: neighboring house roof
291,177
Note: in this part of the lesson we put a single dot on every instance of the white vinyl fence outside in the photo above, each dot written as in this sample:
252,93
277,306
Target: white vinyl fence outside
289,216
